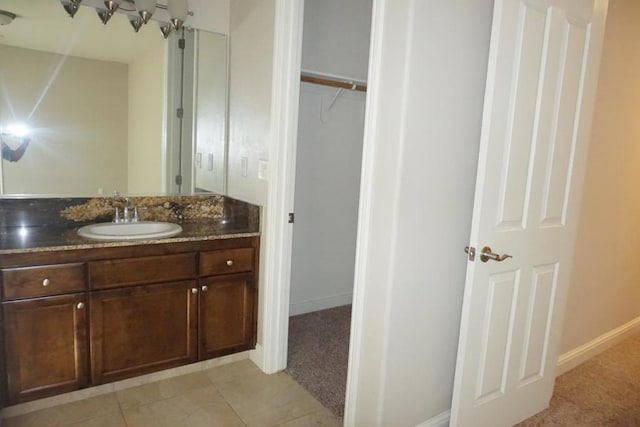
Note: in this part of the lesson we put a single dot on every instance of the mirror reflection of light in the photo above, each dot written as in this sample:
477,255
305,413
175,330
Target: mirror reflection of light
19,130
23,232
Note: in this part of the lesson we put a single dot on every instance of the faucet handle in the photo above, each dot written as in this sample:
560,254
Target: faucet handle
116,218
136,217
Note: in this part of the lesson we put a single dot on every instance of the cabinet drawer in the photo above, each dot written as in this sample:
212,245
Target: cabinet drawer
44,280
137,271
226,261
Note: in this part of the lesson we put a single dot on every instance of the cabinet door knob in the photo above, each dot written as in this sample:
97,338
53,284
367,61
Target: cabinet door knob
194,290
80,305
46,282
205,288
229,262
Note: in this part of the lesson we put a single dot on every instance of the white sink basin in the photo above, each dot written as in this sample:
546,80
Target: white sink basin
130,230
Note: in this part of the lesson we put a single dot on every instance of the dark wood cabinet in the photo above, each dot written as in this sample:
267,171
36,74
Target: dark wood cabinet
75,318
27,282
46,346
142,329
227,320
117,273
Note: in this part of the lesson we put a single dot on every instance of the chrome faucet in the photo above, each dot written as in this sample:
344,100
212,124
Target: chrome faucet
126,213
127,205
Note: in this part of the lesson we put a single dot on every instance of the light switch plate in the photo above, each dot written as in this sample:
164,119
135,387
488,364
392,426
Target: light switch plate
263,169
245,166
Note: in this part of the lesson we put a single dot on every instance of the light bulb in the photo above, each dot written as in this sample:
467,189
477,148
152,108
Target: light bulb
19,130
145,8
178,11
165,29
112,5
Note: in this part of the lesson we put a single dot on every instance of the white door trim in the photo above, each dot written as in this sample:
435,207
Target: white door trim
364,219
277,232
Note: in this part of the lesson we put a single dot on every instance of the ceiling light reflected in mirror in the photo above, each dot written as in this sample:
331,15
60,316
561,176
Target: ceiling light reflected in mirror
172,17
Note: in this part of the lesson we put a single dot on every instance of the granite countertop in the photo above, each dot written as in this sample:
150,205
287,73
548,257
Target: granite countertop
41,239
51,224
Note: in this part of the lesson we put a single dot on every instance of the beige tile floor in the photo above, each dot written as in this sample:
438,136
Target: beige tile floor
237,394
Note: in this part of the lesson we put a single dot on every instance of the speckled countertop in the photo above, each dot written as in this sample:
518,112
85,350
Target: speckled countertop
56,223
41,239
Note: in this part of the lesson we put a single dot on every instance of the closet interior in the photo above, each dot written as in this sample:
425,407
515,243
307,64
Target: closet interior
335,51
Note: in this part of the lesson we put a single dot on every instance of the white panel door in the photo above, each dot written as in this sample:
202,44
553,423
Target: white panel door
541,82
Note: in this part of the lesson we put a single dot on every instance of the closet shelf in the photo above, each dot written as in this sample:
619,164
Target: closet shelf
332,82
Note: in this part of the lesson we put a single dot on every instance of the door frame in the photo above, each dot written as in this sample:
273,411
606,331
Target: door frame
277,239
277,236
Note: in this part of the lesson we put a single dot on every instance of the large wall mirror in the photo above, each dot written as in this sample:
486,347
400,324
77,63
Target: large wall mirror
99,105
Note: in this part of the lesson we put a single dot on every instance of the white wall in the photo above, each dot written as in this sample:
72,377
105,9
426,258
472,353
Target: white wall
605,290
426,85
336,37
329,155
251,39
77,109
146,94
210,15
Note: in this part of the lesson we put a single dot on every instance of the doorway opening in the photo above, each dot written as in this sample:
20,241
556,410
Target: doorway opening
335,51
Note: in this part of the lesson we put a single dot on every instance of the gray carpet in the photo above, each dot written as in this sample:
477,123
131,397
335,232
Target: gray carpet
603,391
319,353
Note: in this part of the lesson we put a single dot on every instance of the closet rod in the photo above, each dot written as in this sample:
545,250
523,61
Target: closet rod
333,83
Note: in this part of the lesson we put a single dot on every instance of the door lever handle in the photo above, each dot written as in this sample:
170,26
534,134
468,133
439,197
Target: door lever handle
487,255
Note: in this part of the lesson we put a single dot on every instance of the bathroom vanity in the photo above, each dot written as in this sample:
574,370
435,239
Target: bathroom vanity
80,313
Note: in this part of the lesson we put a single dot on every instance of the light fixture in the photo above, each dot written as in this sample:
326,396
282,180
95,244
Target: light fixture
178,11
146,9
136,22
104,16
71,6
165,29
112,5
6,18
139,12
18,130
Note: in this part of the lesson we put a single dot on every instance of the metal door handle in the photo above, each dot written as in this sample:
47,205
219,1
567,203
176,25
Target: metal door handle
487,255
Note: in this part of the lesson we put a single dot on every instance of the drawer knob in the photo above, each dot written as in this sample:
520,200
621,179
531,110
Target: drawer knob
194,290
229,262
46,282
205,288
80,305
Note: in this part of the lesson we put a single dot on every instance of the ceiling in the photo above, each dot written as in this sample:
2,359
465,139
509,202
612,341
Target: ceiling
44,25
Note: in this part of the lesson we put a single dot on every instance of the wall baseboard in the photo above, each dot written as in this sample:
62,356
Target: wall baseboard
578,355
257,356
440,420
308,306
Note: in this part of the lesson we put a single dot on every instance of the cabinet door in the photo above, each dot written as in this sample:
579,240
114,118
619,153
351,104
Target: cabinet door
142,329
45,346
227,318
